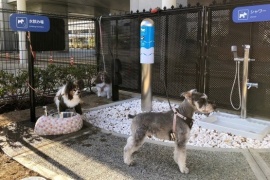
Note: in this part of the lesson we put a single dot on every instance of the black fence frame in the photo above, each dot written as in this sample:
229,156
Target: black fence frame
206,54
192,51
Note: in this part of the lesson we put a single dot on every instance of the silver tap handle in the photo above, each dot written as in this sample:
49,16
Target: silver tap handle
234,51
234,48
246,46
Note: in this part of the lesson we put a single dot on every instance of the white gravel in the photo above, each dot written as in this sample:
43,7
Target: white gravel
115,119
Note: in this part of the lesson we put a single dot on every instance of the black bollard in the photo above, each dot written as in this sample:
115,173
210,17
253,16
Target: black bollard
116,78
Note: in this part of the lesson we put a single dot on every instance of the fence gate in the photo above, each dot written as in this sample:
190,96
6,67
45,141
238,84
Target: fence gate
177,49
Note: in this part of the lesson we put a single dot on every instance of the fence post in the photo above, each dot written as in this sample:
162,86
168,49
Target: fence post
31,82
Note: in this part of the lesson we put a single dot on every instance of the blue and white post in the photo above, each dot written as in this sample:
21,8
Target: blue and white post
147,59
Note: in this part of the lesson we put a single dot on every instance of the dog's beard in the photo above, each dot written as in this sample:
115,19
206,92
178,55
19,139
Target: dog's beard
205,108
70,99
75,100
76,95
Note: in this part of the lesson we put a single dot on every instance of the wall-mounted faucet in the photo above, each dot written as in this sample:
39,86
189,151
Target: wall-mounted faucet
249,85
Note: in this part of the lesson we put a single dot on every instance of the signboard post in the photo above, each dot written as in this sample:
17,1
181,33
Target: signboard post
30,23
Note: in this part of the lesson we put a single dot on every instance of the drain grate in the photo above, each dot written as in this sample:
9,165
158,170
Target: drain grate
227,123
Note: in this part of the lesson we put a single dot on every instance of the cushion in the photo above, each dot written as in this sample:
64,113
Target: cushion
49,125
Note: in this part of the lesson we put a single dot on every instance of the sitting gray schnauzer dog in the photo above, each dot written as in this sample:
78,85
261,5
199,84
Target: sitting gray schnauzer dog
171,125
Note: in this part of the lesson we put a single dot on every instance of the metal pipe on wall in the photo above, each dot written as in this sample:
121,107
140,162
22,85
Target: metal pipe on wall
245,81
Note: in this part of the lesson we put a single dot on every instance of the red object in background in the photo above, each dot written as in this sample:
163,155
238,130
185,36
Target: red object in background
71,61
51,60
155,10
7,56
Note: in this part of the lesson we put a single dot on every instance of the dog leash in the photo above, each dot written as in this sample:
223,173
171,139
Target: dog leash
37,91
167,95
172,134
101,43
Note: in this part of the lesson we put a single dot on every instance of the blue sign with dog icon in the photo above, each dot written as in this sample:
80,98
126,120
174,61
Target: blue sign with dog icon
256,13
32,23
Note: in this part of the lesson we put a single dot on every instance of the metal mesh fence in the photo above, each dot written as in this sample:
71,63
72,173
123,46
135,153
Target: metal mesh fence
120,41
192,50
223,33
52,68
176,49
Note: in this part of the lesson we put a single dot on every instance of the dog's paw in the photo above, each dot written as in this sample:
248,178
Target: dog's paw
128,161
131,163
184,170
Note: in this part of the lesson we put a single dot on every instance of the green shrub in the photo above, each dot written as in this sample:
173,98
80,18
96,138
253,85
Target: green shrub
13,85
46,81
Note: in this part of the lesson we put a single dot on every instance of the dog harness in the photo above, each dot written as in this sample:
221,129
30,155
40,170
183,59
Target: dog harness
102,88
188,121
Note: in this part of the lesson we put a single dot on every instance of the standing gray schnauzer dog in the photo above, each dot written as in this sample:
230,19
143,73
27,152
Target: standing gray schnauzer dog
171,125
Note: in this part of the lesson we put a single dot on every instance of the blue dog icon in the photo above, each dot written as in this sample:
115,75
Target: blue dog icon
21,22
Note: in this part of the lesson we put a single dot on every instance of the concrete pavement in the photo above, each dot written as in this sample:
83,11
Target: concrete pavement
93,153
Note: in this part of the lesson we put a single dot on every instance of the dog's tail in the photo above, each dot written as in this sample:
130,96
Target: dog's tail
131,116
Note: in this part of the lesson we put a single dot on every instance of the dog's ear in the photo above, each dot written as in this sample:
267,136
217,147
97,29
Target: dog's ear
80,84
98,79
204,96
188,94
69,88
107,78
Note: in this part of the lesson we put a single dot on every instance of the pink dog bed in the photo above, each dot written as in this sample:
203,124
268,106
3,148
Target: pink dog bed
49,125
